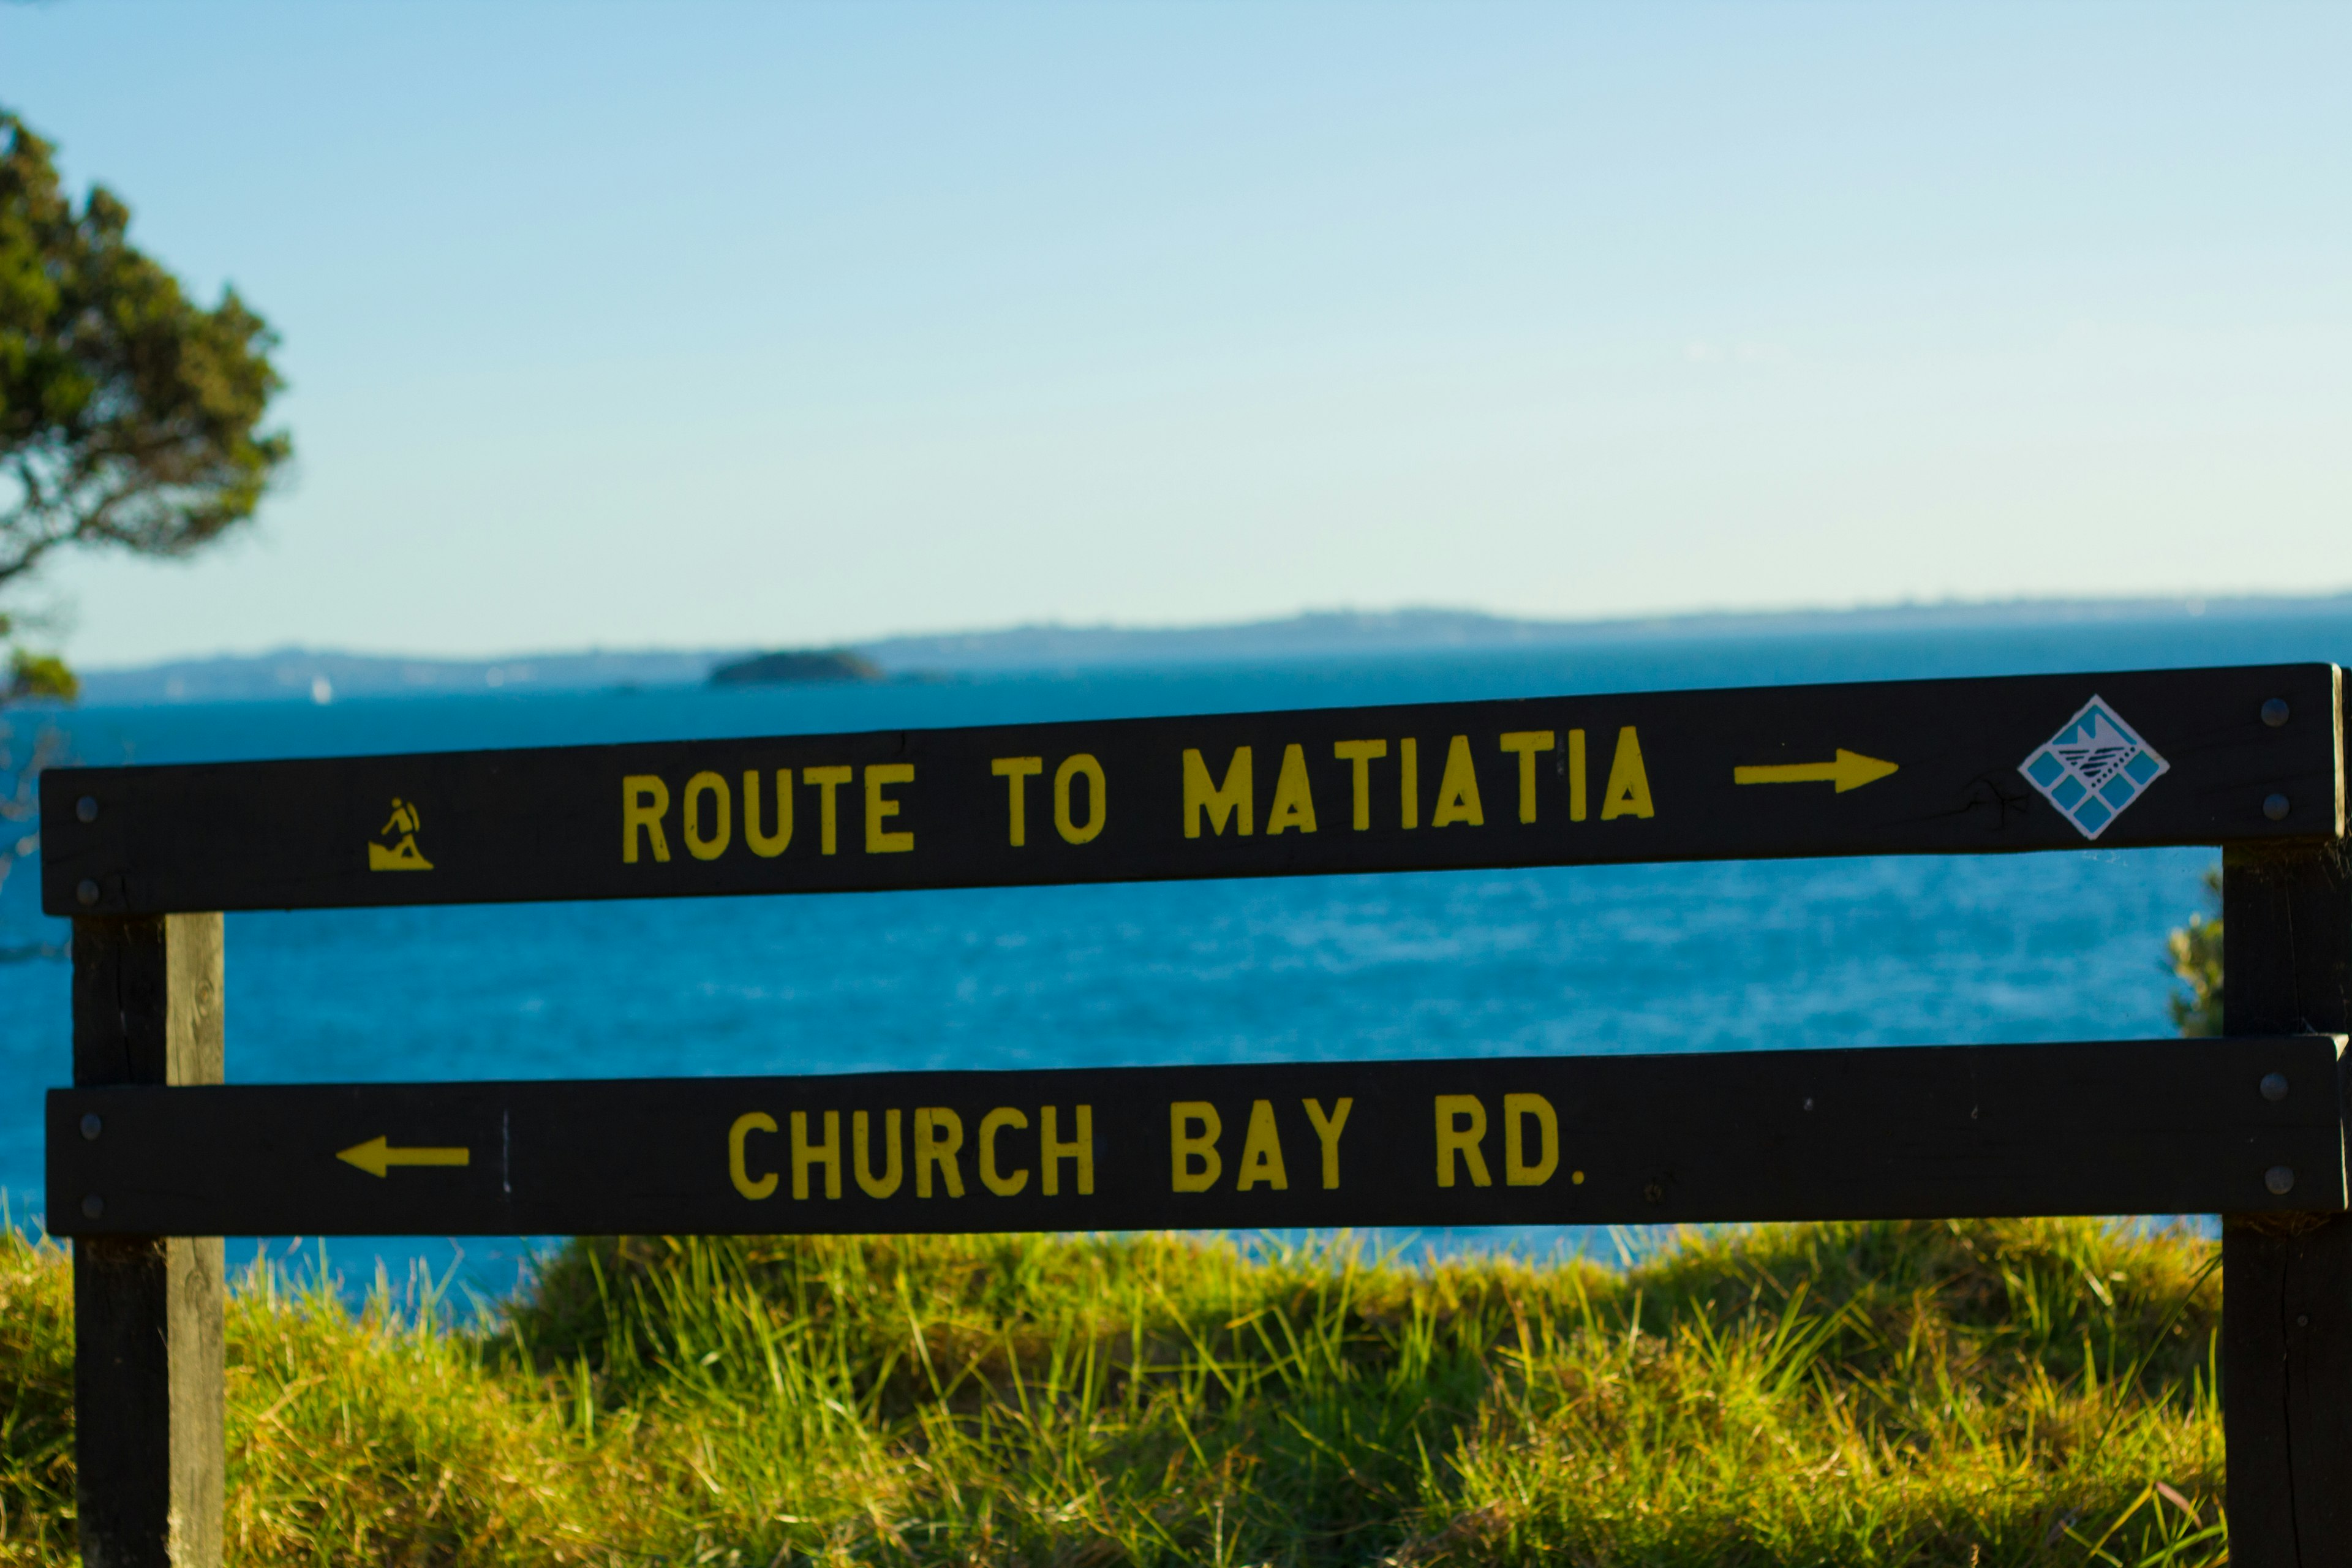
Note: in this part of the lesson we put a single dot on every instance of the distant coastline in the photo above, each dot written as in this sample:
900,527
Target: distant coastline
297,674
797,667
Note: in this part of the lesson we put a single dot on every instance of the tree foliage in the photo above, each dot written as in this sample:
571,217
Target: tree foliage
129,420
130,416
2195,951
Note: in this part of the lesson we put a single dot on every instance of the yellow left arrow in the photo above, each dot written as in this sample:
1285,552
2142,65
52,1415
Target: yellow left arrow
376,1156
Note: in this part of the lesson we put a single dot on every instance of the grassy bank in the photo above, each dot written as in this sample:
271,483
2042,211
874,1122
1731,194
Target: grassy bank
1927,1393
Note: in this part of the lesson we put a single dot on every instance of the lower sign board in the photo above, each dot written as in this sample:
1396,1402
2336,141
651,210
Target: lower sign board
2126,1127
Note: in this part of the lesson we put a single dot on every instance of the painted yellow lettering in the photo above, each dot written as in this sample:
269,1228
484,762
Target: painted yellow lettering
1409,780
1002,1183
1461,1126
644,801
1359,756
1517,1169
891,1171
1016,772
709,846
1293,803
827,1153
1526,743
939,1133
767,846
1221,802
1185,1145
1328,1129
1261,1152
1052,1150
1628,794
1066,823
881,808
1576,775
1457,792
826,781
738,1171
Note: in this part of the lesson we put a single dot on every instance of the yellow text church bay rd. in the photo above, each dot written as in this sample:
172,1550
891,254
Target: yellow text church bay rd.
946,1152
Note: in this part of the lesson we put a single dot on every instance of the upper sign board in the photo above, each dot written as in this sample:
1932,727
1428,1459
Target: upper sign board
2168,757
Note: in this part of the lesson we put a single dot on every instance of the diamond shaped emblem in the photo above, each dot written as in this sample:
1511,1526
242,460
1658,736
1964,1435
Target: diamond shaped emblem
2092,768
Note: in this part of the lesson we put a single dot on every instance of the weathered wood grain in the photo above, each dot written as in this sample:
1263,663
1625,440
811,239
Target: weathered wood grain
148,1348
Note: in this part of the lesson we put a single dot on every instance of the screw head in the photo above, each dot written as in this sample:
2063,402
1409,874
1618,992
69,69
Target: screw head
2275,807
2303,1320
2273,1086
87,893
87,808
2279,1179
2275,713
1655,1193
93,1206
92,1126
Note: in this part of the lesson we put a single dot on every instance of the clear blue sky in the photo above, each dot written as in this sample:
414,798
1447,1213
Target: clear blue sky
698,324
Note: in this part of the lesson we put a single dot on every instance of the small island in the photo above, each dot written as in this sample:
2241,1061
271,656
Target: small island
800,667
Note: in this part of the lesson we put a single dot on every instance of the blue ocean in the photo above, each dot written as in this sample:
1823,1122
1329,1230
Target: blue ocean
1666,958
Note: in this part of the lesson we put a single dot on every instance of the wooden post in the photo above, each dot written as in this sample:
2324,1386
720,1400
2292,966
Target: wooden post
148,1359
2286,1316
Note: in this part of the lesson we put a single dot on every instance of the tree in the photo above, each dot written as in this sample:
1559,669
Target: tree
129,420
2195,954
130,416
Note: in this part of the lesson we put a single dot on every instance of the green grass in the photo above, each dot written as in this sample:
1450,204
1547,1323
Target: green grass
1925,1394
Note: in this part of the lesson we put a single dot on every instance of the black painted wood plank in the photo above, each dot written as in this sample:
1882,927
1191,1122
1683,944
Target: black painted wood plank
2150,1126
1546,781
2286,1355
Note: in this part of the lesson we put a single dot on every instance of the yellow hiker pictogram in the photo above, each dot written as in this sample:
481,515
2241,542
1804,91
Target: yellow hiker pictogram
1850,771
402,854
376,1156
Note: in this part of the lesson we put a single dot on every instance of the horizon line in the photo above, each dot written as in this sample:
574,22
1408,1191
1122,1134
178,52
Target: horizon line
2190,604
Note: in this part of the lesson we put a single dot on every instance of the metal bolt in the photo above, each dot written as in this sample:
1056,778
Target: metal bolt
92,1207
87,808
92,1126
2279,1180
2273,1086
2275,713
2275,807
87,893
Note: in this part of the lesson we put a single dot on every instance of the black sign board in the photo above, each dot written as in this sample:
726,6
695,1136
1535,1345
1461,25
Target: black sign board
2133,1127
2200,756
149,1145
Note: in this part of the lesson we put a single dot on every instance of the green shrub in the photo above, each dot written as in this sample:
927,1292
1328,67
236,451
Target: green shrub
1963,1392
2195,952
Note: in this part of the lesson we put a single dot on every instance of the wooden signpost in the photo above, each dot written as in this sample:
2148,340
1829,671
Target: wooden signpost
149,1154
1902,768
2127,1127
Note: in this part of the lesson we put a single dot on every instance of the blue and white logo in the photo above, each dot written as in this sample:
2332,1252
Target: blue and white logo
2094,768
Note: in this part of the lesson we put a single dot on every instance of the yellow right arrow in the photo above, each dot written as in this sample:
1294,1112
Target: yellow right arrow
1850,771
377,1155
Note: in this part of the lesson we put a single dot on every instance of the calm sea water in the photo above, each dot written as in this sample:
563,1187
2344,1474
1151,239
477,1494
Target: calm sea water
1680,958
